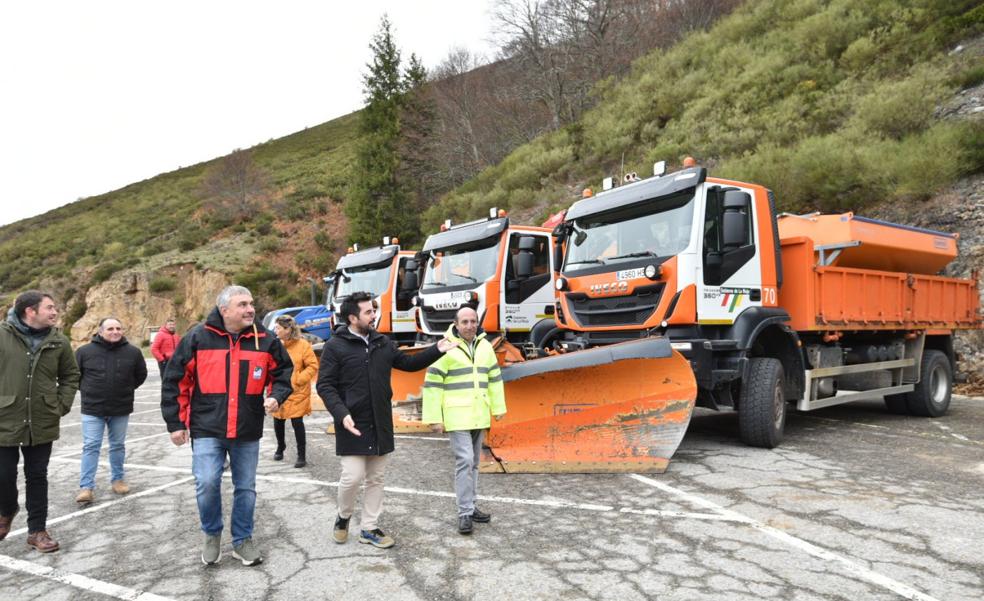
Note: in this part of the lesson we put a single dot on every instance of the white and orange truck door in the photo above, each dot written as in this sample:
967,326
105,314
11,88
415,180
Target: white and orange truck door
525,302
729,278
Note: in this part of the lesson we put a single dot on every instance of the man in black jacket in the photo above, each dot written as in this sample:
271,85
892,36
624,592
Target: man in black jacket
354,382
215,385
111,370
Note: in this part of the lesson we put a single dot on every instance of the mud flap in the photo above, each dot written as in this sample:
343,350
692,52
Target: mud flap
619,408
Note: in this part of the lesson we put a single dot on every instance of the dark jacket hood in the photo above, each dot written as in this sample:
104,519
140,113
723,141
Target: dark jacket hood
14,320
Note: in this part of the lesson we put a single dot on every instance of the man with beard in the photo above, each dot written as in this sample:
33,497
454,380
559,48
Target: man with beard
38,380
354,382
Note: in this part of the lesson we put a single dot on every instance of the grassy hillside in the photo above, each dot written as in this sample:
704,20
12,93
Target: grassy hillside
83,243
828,102
831,103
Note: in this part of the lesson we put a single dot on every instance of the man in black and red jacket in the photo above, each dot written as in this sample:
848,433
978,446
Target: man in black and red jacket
214,386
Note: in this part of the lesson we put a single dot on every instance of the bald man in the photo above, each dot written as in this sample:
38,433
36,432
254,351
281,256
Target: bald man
461,390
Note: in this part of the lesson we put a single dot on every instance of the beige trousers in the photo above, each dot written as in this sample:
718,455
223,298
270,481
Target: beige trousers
355,469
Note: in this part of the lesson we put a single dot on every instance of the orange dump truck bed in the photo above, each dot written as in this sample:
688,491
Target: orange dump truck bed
842,272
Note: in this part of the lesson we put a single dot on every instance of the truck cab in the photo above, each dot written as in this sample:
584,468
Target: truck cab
692,259
502,270
666,255
388,273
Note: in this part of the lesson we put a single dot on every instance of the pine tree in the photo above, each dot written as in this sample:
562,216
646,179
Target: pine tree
417,172
379,204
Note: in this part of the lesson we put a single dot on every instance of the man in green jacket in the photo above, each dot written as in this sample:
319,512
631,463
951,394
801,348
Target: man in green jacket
461,390
38,380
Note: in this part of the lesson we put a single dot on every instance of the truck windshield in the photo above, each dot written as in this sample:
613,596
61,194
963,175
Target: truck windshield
656,228
373,280
457,266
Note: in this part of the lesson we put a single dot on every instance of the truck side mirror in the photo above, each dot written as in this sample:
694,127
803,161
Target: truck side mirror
737,213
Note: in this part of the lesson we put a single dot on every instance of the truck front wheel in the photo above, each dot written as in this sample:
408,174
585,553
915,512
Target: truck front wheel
931,396
762,406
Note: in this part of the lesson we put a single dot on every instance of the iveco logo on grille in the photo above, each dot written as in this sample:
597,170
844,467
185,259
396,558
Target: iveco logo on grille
612,288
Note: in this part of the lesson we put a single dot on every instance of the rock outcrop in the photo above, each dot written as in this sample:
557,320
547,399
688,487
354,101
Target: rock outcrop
127,296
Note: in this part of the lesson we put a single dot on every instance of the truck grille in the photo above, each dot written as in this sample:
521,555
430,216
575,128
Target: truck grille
632,309
436,321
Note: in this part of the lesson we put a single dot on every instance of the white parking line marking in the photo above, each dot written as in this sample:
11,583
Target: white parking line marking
100,506
851,567
897,431
134,413
128,440
78,581
950,431
407,436
450,495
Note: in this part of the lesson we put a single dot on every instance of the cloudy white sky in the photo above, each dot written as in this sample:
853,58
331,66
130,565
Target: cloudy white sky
100,94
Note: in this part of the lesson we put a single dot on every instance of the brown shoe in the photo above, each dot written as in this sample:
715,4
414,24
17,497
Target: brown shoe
120,487
5,522
42,542
85,496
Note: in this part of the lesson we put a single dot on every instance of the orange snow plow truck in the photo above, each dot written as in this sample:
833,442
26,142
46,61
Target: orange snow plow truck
763,310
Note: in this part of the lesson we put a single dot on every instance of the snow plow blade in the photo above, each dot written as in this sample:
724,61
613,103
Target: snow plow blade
618,408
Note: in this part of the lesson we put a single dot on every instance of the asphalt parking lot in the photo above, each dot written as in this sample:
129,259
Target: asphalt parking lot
857,504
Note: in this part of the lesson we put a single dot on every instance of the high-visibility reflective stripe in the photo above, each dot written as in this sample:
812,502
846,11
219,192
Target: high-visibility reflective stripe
435,371
496,378
459,371
464,385
432,384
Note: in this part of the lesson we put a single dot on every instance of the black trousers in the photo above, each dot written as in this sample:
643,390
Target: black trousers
162,365
299,435
35,479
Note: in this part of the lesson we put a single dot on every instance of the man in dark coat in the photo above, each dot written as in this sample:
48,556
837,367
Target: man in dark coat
354,382
112,369
215,386
38,380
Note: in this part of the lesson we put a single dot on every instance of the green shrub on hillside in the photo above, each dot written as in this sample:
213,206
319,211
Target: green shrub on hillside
75,312
162,284
828,102
103,272
269,244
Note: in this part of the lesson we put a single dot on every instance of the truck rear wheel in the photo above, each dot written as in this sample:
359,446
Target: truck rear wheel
931,396
762,406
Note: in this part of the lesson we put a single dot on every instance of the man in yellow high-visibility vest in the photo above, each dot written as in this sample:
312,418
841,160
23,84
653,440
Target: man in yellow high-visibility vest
461,390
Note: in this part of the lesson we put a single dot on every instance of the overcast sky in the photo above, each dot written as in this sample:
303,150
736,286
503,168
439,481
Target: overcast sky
99,94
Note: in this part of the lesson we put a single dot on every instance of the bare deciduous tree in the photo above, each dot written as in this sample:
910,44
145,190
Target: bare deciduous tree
235,187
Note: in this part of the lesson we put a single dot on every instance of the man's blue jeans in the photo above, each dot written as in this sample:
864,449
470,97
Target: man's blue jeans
92,437
208,456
